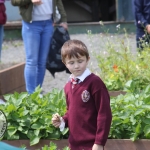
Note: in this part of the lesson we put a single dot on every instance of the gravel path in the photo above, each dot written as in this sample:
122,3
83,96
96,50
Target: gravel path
13,52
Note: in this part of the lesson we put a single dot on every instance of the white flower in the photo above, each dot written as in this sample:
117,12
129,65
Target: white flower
118,26
139,22
101,23
89,31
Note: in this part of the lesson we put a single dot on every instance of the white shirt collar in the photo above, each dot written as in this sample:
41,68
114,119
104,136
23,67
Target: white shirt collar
86,73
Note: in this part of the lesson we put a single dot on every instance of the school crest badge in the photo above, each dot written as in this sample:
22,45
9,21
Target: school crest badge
85,96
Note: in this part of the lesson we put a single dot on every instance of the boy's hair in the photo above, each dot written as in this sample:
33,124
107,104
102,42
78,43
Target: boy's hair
74,48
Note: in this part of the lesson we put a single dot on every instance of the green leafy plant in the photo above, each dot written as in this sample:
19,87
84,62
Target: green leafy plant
53,146
29,116
118,63
131,114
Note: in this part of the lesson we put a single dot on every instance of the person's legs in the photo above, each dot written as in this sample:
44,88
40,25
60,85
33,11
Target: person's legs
43,53
36,48
1,38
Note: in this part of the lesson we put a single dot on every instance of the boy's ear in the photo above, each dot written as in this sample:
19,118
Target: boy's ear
88,59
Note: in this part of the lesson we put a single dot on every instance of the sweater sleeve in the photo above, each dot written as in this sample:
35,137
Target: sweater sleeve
20,2
104,117
62,11
139,14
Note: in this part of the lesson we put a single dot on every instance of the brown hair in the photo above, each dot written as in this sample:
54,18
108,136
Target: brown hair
74,48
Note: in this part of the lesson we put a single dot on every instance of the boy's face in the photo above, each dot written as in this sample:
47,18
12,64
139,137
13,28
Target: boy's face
77,65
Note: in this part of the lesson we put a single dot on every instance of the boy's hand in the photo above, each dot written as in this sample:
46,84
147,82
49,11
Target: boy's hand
56,120
97,147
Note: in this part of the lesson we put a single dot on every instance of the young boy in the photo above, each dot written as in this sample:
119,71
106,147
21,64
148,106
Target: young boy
88,113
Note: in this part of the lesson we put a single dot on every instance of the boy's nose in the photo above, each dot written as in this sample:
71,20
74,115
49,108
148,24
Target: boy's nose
76,65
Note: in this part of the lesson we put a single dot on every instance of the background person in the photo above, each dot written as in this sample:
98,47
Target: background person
142,20
3,19
88,113
37,30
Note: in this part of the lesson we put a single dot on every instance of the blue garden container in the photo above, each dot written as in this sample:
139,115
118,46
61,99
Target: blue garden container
4,146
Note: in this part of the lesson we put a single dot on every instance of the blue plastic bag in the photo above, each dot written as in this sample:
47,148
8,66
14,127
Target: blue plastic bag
5,146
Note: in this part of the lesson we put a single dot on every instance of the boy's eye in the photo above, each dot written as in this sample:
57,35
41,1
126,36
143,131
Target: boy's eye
71,62
80,61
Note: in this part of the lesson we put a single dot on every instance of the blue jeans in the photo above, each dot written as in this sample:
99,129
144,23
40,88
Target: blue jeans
1,38
37,37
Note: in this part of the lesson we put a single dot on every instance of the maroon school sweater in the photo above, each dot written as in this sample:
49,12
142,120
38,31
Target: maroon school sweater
88,113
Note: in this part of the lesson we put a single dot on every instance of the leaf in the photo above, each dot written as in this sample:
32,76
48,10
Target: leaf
34,140
7,97
146,99
37,126
66,148
147,90
61,94
53,146
146,107
20,128
30,134
132,119
139,111
11,108
116,121
146,121
45,103
65,131
15,116
133,137
11,131
13,137
55,135
23,95
138,128
36,132
126,120
147,130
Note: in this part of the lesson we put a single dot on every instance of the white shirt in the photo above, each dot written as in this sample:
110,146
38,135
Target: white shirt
43,11
86,73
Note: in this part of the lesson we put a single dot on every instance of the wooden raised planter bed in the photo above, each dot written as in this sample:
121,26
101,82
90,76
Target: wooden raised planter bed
12,79
116,93
18,143
112,144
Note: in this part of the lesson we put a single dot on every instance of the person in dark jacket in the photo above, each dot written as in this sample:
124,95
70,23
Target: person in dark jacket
142,20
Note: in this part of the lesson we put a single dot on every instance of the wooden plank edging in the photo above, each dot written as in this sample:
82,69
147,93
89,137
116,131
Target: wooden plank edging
112,144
